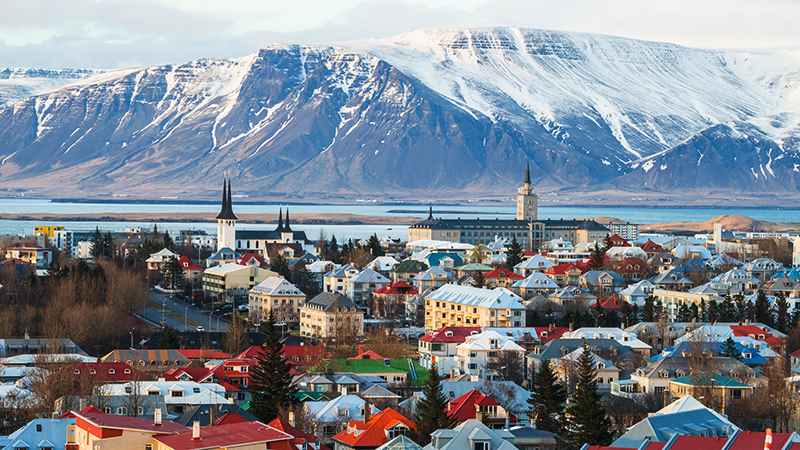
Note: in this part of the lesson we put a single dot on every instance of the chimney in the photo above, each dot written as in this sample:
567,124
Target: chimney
55,415
157,417
82,404
477,412
196,430
360,350
570,326
747,321
213,415
551,327
344,390
366,410
533,423
230,400
291,419
452,373
508,425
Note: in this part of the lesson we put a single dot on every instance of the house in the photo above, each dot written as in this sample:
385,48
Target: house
444,260
192,273
400,443
439,347
471,434
358,287
29,253
383,264
516,396
559,348
330,315
158,261
763,268
231,282
388,302
566,366
233,375
407,270
601,282
536,263
471,269
458,306
149,360
685,252
525,337
179,396
738,281
501,277
28,345
106,372
250,435
225,255
534,284
94,430
567,274
673,280
623,337
276,295
335,280
398,373
728,391
433,278
652,249
253,259
39,434
632,269
477,351
331,384
331,417
475,405
301,441
656,375
380,397
572,296
373,431
635,294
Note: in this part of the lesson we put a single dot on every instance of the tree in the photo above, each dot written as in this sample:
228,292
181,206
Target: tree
374,246
236,339
508,365
763,310
514,255
271,382
169,340
97,243
280,266
547,399
626,314
173,274
478,280
684,315
782,322
431,415
596,260
588,422
648,309
728,349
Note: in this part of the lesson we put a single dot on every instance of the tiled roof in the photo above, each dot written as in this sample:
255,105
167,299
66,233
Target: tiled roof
373,433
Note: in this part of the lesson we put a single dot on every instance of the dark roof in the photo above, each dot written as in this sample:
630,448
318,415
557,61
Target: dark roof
459,224
226,213
410,266
326,301
286,227
202,413
527,173
268,234
280,221
553,349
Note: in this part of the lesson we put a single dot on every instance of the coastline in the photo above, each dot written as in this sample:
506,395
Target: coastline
299,219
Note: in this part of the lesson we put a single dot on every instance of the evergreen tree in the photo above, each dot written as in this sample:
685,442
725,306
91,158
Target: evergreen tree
547,399
695,311
728,349
702,313
607,244
635,315
168,340
431,414
271,381
596,261
684,315
598,315
739,308
625,313
588,423
108,245
782,318
763,310
281,267
711,312
375,247
514,255
648,309
173,274
478,280
725,310
97,243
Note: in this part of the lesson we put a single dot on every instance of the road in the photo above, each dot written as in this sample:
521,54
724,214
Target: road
182,316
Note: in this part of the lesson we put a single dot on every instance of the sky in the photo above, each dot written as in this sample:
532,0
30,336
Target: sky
107,34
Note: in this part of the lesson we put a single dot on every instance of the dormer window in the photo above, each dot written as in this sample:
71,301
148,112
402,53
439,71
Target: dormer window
481,445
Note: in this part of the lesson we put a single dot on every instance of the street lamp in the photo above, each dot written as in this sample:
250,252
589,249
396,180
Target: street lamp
132,348
185,320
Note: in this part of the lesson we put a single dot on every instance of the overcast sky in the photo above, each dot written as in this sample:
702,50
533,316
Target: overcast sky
122,33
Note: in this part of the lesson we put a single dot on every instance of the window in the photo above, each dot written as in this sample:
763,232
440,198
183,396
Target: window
176,394
736,394
121,411
481,446
39,427
107,410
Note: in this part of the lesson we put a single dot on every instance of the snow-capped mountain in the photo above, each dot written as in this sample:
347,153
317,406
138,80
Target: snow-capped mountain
17,83
451,111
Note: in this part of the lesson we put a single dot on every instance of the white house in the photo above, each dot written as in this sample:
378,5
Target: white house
623,337
179,396
475,353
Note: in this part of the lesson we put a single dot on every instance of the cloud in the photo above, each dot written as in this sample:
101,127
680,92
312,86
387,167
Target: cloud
123,33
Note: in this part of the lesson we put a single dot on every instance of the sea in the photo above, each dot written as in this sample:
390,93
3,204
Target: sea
642,216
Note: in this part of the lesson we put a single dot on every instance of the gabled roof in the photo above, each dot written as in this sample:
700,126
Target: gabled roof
473,267
101,420
368,276
435,259
502,273
535,262
400,443
536,280
652,247
276,286
248,258
373,433
224,436
187,264
409,266
612,302
450,334
482,298
562,269
464,407
329,302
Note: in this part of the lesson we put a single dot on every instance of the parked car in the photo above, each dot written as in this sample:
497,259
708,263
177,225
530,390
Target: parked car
200,328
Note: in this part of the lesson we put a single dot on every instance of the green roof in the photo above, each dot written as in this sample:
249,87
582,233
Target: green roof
474,267
245,405
378,366
709,379
410,266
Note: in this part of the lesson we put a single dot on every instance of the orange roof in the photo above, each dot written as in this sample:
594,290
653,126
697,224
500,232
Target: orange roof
369,354
463,408
372,433
230,435
652,247
612,302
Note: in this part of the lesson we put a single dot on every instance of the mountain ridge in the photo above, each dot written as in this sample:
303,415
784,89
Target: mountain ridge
450,111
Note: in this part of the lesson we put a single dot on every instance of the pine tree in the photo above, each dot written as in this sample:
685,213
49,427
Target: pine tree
375,247
431,414
514,255
763,311
588,423
478,280
607,244
739,308
598,315
694,311
596,261
782,319
711,311
97,243
625,314
281,267
648,309
271,381
728,349
725,310
173,274
547,399
168,340
684,315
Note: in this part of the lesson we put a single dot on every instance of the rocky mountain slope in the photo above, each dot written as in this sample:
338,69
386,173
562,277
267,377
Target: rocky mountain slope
17,84
430,113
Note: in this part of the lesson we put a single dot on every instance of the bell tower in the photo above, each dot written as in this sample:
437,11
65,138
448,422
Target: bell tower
226,220
527,201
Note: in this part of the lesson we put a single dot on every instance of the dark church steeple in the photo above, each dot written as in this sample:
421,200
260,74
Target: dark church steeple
226,213
287,228
280,221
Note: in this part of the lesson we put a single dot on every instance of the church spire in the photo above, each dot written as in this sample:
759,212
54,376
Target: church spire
226,213
286,227
528,173
280,220
430,213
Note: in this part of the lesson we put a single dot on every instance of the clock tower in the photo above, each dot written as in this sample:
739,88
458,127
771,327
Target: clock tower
527,201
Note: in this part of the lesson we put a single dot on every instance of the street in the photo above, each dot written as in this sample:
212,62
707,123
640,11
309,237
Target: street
181,316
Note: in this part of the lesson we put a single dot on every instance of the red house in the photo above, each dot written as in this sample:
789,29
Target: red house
502,277
474,405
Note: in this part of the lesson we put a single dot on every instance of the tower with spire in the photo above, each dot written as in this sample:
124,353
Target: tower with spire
527,201
287,235
226,220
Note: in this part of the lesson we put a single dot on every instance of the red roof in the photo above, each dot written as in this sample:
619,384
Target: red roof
464,407
399,287
13,261
230,435
747,330
203,354
247,257
633,264
795,353
107,371
618,241
450,334
369,354
502,273
652,247
299,436
612,302
196,374
373,433
700,443
187,264
25,245
228,418
251,352
754,440
100,420
561,269
545,334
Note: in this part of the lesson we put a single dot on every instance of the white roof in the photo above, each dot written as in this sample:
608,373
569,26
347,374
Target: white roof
161,256
327,411
596,360
482,342
481,298
384,263
322,266
626,252
683,251
193,393
617,334
224,269
642,288
368,276
276,286
535,262
736,276
27,359
536,280
429,243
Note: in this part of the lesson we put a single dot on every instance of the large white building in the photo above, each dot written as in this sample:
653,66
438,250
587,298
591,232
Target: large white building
476,352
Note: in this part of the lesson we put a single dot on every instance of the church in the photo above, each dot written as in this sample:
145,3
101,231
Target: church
531,232
232,243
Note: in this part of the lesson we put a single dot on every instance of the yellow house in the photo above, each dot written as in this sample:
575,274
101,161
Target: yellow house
463,306
330,315
277,295
47,230
229,281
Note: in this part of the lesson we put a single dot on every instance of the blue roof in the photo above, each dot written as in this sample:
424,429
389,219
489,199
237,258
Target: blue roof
693,265
54,431
434,259
793,274
714,348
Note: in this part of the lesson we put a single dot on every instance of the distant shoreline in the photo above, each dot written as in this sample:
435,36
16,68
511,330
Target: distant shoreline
298,219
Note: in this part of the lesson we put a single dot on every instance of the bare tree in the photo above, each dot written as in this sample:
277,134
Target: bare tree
507,366
236,339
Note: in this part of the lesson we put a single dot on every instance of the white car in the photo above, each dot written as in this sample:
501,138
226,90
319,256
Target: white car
200,328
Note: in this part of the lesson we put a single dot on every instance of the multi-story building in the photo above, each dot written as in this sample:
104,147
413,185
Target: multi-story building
330,315
474,355
277,295
461,306
359,286
629,231
232,282
336,279
29,253
439,347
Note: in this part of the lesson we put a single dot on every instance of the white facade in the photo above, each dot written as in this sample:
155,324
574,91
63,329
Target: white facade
617,334
474,354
